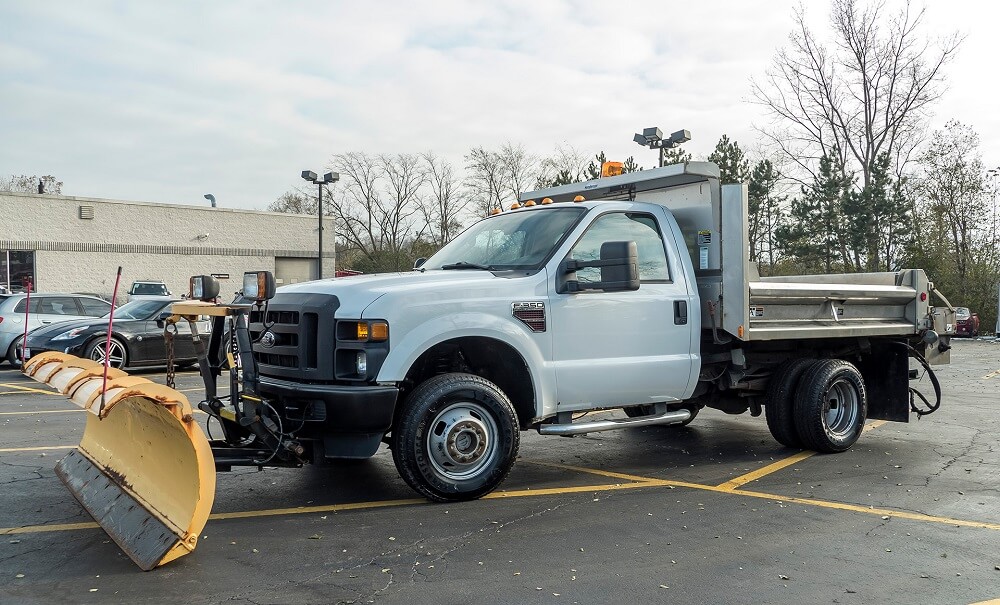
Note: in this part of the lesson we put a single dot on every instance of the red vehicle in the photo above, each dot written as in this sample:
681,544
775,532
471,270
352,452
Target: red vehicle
966,322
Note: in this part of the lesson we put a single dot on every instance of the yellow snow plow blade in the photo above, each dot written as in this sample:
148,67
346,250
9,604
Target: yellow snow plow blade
144,469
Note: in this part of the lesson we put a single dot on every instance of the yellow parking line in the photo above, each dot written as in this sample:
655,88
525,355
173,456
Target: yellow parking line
991,375
29,389
41,412
990,602
37,529
592,471
766,470
780,464
883,512
527,493
42,448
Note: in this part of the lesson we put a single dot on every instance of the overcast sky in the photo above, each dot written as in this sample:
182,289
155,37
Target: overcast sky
167,101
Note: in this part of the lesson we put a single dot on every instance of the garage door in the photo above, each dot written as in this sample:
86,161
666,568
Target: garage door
294,270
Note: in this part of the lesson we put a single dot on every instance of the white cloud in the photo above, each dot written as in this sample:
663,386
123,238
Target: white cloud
165,102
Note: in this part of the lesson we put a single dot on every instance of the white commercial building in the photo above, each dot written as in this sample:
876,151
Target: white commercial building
75,244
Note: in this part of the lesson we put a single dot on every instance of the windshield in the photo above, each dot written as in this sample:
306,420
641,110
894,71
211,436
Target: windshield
517,240
150,289
140,309
962,312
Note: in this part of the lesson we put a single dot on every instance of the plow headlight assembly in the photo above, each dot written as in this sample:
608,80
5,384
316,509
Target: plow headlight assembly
204,288
258,285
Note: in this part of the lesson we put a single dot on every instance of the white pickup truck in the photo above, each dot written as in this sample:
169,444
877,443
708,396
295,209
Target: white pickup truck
633,292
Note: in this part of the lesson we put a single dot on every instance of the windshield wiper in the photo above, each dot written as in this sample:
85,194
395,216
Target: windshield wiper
465,265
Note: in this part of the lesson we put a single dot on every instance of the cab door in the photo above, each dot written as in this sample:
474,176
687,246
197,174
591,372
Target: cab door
625,347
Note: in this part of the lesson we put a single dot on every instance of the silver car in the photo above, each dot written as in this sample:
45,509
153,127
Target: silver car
44,309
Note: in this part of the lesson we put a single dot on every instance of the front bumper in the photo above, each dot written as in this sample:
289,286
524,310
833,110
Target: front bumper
349,409
71,347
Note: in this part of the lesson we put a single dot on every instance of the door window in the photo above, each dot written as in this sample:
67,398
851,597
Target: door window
94,307
58,305
33,308
624,226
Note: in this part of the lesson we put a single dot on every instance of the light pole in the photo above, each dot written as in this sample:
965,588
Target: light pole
329,177
653,138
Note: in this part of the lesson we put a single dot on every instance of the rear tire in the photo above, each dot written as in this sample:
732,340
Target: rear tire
780,402
831,405
12,353
456,439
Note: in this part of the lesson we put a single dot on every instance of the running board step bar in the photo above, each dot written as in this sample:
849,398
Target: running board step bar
579,428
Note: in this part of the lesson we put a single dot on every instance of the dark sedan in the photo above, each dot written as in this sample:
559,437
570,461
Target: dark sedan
136,337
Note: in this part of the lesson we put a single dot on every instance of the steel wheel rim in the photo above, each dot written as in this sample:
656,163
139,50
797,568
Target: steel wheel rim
462,440
117,354
843,405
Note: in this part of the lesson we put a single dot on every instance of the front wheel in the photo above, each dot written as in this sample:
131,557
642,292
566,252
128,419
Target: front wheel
456,439
830,406
118,357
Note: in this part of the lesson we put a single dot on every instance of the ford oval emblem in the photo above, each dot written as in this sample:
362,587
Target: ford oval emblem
267,340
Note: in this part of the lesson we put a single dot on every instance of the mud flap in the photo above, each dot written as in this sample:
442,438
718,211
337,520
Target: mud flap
144,469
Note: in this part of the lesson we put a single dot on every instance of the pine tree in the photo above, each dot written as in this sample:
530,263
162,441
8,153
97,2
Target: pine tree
814,232
733,164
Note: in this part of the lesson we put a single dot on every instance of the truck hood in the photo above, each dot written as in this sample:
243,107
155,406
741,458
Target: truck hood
357,292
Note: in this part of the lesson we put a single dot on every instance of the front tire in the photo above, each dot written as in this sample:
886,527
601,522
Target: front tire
456,439
119,355
831,405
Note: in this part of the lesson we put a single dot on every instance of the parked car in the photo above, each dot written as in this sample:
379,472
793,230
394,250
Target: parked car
44,309
966,322
136,336
147,289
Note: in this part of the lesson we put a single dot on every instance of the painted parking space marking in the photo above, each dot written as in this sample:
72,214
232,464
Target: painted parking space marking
767,470
17,387
990,602
784,462
29,413
40,448
991,375
529,493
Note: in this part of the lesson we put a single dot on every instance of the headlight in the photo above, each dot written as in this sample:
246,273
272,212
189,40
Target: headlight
361,363
69,334
363,331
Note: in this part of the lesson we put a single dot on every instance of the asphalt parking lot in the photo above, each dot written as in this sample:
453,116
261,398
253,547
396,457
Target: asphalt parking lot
716,512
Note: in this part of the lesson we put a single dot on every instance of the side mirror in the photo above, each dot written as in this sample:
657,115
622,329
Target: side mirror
161,319
419,263
619,265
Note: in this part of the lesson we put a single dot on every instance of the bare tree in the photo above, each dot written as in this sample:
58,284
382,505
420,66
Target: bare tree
566,165
486,181
866,95
496,177
443,205
23,183
955,193
520,167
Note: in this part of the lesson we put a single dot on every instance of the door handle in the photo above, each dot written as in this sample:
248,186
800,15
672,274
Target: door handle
680,312
46,321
